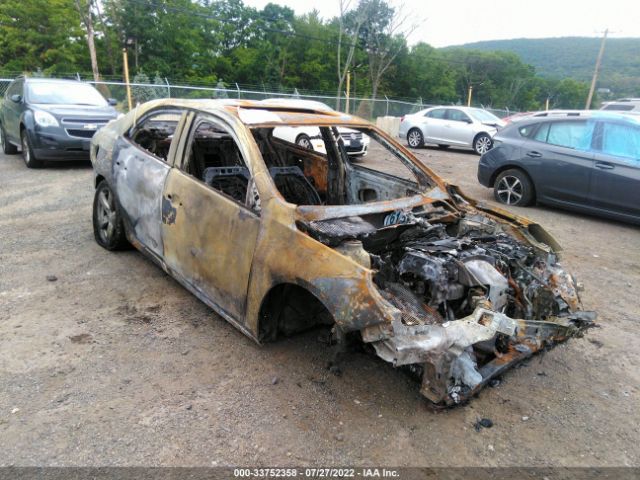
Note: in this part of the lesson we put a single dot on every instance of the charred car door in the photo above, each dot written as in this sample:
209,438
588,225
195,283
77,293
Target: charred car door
140,167
209,231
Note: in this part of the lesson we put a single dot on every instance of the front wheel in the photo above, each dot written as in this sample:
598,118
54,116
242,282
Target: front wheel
304,141
415,139
28,156
108,228
482,144
7,147
513,187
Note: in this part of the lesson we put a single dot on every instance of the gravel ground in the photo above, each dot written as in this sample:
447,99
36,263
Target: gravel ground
114,363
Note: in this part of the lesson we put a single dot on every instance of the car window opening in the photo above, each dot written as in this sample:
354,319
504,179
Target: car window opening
156,133
333,168
215,159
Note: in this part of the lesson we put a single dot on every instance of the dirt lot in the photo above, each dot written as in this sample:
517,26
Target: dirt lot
115,364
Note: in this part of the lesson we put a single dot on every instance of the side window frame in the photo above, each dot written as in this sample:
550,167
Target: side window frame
182,157
450,110
444,115
549,126
174,141
598,144
17,87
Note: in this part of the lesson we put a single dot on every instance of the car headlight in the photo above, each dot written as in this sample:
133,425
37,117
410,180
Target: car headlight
45,119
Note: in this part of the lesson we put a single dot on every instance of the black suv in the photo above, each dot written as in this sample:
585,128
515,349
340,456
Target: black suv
51,119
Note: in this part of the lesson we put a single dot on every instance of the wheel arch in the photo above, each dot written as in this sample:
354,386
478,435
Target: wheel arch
99,178
479,134
281,301
302,134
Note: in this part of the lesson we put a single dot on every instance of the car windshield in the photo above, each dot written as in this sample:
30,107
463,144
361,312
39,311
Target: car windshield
58,93
337,165
484,116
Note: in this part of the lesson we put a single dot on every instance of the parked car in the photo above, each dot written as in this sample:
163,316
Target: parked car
588,162
517,117
278,239
622,105
355,143
451,126
51,119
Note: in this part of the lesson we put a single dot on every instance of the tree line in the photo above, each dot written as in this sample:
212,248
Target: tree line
217,42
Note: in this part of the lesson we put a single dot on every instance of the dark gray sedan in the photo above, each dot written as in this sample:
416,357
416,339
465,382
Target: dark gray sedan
586,161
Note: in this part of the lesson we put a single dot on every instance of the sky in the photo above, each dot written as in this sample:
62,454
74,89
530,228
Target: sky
454,22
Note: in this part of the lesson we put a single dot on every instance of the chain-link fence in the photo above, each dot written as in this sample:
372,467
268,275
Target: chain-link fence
361,106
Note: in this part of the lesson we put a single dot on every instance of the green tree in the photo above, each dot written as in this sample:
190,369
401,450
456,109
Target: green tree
42,34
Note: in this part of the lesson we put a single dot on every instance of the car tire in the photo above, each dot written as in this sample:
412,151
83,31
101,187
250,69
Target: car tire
482,144
7,147
108,227
514,187
415,139
443,147
28,156
304,141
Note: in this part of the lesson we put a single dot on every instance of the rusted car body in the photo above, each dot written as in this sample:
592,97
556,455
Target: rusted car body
277,239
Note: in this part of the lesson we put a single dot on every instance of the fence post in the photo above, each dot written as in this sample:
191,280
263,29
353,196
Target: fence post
238,89
168,87
387,111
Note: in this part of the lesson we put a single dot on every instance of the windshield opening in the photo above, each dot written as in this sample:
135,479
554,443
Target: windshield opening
322,165
58,93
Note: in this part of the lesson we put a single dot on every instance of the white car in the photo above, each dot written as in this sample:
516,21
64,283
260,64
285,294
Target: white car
623,105
355,143
451,126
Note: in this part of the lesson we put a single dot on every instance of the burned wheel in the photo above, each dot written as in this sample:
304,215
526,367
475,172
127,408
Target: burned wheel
108,228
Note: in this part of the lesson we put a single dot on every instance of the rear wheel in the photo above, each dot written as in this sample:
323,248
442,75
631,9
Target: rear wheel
108,228
415,139
482,144
7,147
513,187
28,156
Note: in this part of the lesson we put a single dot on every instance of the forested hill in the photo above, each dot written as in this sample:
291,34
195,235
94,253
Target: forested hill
574,57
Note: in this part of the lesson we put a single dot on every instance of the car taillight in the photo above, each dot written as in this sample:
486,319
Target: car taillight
402,118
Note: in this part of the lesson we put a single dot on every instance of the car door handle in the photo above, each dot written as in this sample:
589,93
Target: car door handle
604,166
534,154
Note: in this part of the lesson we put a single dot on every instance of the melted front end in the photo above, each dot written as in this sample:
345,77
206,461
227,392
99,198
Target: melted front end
469,296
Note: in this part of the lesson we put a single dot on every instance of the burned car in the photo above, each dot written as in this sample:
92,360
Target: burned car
277,239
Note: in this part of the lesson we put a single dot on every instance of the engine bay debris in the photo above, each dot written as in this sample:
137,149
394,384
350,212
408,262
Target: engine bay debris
470,298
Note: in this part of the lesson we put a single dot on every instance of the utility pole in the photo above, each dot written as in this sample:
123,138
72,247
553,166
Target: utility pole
125,62
346,108
595,72
469,95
